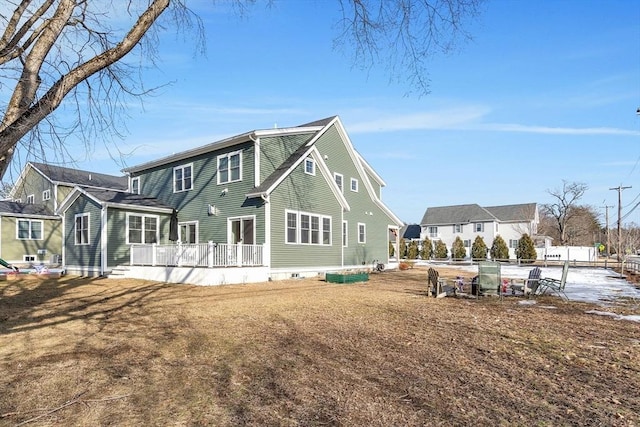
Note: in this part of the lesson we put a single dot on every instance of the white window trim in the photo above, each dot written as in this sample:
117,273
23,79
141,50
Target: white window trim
30,221
236,218
354,181
312,162
364,227
46,195
137,179
75,228
31,199
286,227
341,186
228,157
345,234
475,227
173,177
299,228
144,216
180,224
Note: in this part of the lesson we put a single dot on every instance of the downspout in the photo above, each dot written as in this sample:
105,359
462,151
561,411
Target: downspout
64,241
103,240
256,159
267,230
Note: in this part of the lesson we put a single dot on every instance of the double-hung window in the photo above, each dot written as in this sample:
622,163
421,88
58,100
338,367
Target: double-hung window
354,185
345,236
31,199
339,180
183,178
362,233
82,229
307,228
135,183
29,229
230,167
142,229
457,228
46,195
479,227
292,227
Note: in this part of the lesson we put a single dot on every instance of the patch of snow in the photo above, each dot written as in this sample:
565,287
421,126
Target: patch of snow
595,285
631,317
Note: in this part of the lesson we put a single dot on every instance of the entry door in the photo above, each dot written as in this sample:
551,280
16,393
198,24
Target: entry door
242,230
188,232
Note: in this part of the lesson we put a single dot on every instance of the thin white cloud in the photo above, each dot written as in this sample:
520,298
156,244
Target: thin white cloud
469,119
443,119
549,130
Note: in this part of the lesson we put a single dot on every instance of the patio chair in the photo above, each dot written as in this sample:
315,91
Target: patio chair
554,285
489,281
434,283
530,284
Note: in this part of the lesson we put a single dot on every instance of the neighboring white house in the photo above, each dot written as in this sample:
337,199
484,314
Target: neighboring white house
445,223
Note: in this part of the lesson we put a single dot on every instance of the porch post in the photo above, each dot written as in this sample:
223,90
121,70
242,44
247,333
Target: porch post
239,253
154,254
179,254
210,250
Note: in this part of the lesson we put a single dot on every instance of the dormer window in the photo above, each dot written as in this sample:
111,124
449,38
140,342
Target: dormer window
135,185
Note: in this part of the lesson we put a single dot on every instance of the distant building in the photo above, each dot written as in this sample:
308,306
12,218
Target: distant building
445,223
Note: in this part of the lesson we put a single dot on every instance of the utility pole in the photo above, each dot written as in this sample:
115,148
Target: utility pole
606,215
619,189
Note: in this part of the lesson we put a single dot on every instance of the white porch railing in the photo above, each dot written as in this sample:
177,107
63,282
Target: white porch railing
197,255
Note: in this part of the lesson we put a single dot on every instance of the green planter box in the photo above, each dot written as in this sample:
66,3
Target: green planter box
346,278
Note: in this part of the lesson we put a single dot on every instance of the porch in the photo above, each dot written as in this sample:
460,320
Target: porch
207,255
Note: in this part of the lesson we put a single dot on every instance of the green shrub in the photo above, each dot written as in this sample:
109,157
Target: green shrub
479,249
526,250
499,249
458,250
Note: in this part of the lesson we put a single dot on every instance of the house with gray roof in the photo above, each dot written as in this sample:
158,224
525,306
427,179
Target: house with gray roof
265,204
446,223
31,221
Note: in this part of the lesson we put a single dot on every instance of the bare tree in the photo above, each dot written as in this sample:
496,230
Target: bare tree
564,207
73,51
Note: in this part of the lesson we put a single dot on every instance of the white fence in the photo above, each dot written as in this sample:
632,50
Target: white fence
197,255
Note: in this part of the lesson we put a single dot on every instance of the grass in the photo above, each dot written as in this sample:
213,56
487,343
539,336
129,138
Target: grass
80,351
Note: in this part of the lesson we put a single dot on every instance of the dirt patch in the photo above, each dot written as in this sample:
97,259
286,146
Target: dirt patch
78,351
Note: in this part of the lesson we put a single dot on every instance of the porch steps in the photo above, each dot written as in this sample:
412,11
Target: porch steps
118,272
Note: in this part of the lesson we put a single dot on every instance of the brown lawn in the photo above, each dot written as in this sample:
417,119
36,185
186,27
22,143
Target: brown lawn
78,351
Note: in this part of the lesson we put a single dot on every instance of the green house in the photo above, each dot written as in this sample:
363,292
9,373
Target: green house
265,204
31,226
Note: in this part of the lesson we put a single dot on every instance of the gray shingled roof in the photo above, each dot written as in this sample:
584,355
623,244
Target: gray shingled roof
81,177
19,208
410,231
321,122
281,170
508,213
464,214
124,198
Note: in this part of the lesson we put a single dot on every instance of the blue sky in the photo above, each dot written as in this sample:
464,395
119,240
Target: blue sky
546,91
